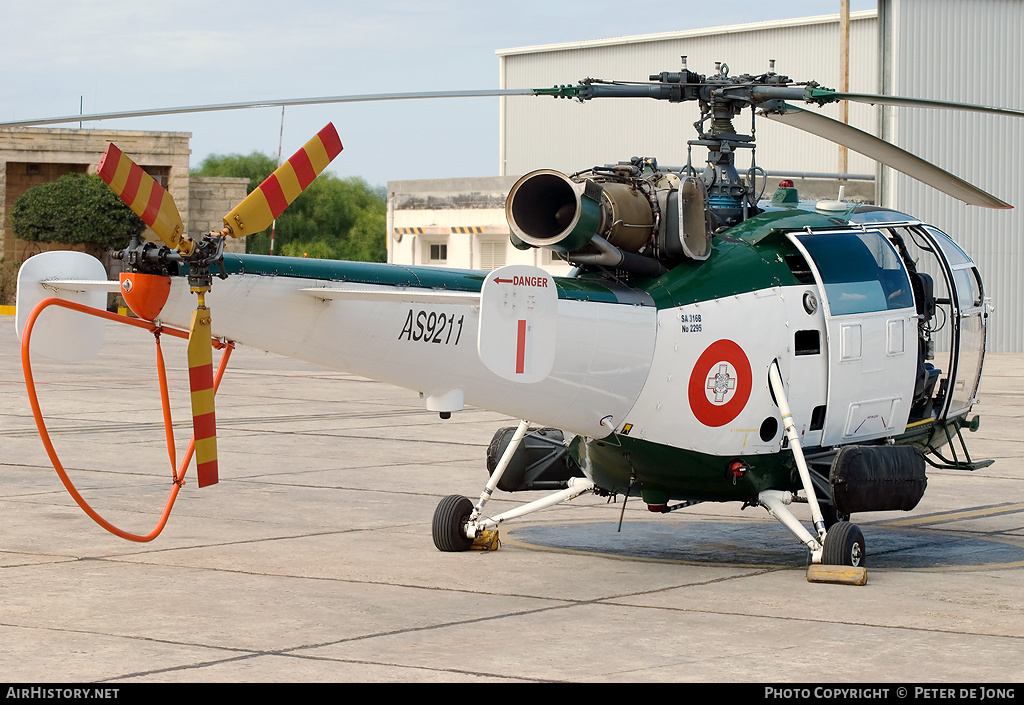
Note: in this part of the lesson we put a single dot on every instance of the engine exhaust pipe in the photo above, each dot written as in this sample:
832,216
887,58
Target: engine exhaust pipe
610,256
546,208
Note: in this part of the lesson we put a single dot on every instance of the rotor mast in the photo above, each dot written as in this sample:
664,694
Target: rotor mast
721,98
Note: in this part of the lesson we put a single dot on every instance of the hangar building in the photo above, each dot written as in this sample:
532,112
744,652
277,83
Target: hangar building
950,50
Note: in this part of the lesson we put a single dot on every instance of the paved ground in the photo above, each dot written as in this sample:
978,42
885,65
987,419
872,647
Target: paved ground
312,559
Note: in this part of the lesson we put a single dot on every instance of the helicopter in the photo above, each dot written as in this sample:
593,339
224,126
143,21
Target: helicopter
709,345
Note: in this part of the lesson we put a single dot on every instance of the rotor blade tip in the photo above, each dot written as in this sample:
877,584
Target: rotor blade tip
108,163
331,141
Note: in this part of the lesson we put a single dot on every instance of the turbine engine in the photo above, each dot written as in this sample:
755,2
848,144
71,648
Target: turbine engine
631,216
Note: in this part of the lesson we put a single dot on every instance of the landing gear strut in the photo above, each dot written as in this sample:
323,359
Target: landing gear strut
458,522
842,544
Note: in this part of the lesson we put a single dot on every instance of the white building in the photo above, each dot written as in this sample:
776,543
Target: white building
956,50
456,223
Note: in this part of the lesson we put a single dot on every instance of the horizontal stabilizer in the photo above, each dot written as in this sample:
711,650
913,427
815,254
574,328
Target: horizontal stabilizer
391,293
59,333
81,285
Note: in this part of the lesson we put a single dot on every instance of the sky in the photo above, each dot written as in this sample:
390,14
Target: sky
63,57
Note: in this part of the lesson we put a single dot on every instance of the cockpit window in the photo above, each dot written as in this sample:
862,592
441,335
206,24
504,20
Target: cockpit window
954,255
860,270
968,288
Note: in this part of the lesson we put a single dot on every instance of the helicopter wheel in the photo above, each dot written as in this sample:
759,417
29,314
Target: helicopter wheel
844,545
449,524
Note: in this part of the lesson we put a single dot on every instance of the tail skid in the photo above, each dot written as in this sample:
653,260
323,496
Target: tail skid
79,312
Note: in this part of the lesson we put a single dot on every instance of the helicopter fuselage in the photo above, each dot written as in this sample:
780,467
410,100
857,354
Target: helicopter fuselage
663,380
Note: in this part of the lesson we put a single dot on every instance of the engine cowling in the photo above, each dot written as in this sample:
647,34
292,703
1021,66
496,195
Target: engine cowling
626,216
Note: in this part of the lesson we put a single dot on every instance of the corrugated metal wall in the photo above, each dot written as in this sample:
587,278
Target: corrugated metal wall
961,50
968,52
570,136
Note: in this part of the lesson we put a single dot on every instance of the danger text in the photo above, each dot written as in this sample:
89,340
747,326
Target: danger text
524,281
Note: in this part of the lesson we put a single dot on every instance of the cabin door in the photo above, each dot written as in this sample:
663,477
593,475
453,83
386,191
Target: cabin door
871,332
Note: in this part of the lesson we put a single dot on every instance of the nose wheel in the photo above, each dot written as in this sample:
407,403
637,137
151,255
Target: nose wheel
844,545
449,527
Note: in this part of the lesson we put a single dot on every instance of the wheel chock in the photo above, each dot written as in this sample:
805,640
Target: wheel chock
841,574
486,541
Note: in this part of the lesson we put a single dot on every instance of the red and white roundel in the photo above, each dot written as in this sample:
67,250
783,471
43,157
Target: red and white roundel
720,383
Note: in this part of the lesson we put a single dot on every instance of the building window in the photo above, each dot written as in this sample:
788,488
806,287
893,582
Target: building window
492,254
438,253
161,174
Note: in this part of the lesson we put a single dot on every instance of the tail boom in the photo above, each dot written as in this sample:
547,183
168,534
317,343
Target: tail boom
419,328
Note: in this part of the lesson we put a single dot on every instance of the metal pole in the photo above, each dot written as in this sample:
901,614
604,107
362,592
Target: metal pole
844,73
280,141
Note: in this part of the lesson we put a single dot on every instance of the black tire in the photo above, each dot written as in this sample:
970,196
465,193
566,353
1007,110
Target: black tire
449,519
844,545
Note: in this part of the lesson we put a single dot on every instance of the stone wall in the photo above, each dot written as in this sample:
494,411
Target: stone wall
30,156
211,198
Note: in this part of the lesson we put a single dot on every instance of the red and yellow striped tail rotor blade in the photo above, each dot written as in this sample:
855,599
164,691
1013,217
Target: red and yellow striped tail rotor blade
261,207
148,199
200,378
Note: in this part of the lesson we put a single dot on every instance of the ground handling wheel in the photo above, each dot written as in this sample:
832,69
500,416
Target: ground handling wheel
844,545
449,522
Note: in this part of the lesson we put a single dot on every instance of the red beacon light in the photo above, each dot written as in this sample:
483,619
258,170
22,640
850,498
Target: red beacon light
785,195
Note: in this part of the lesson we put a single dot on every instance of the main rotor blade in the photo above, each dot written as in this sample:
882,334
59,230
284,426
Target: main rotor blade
370,97
888,154
147,199
200,379
268,200
824,95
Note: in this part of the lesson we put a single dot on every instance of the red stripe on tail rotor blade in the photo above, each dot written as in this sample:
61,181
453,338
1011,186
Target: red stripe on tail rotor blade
204,426
206,473
304,171
131,186
156,199
108,163
200,377
521,348
272,191
331,140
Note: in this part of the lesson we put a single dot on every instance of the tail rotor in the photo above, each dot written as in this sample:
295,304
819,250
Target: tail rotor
155,206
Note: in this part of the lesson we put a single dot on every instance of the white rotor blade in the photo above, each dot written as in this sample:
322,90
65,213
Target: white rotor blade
888,154
270,104
876,99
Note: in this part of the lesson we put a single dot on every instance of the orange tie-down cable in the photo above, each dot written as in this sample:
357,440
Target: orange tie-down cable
178,478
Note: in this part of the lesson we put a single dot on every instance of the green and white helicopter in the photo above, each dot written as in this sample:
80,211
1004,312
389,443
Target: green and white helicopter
709,346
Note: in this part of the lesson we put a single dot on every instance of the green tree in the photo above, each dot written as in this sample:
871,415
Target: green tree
76,209
254,166
332,219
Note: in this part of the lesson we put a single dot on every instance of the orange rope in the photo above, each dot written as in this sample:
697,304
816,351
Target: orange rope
179,474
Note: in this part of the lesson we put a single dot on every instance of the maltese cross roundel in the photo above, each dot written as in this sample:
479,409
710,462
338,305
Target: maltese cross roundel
720,383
